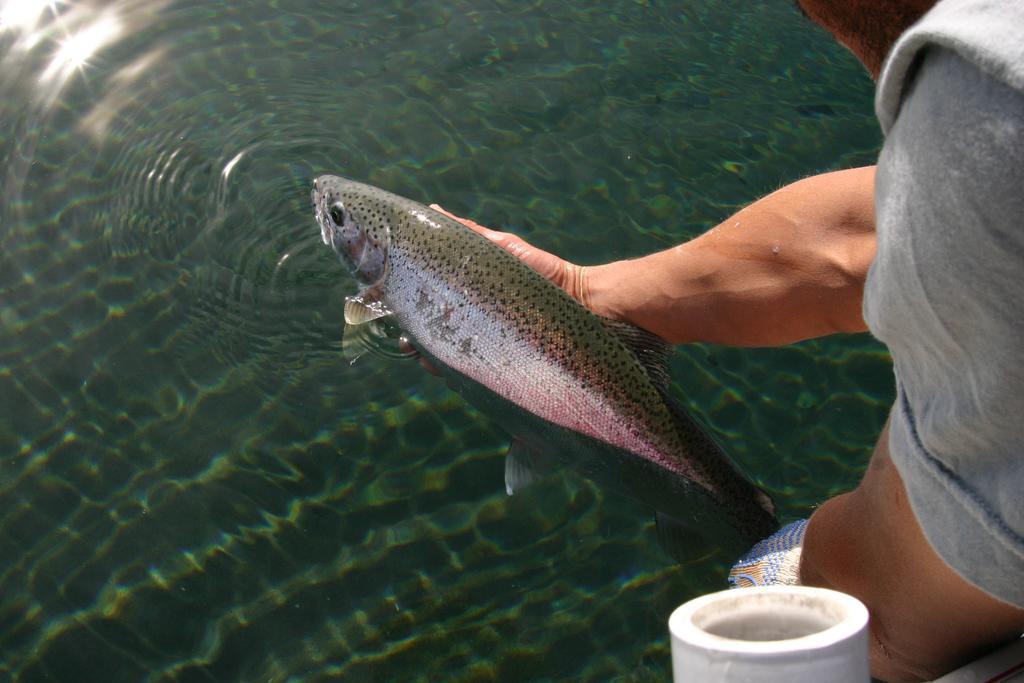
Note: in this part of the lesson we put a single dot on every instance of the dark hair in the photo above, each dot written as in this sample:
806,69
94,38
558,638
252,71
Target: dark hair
868,27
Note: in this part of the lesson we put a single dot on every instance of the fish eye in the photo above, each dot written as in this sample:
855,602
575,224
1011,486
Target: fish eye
337,213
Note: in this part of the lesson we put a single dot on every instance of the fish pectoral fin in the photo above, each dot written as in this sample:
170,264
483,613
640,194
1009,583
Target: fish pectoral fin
523,466
369,328
379,338
651,350
681,541
365,307
353,343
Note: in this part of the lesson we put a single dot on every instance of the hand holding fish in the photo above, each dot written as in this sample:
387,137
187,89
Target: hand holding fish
569,276
789,267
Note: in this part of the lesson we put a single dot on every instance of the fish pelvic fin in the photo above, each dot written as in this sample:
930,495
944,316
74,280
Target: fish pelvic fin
523,466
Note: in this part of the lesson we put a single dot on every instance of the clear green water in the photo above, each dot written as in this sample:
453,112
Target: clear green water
195,486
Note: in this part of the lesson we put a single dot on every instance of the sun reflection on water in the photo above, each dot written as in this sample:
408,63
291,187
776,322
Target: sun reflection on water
23,14
66,38
73,53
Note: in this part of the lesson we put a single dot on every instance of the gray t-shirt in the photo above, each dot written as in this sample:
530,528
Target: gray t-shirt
946,290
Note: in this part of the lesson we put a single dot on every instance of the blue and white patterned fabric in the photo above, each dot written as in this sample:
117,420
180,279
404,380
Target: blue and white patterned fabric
775,561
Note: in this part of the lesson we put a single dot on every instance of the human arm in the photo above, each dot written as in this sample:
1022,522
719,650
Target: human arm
788,267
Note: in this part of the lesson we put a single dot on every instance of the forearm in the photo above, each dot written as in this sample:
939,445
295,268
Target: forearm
790,266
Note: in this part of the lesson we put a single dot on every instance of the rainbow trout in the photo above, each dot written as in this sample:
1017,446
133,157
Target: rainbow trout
566,383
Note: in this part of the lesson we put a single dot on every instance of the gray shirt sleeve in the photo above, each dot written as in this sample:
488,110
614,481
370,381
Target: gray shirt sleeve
946,295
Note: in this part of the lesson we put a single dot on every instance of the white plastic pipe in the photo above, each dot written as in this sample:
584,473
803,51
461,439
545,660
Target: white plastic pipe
794,634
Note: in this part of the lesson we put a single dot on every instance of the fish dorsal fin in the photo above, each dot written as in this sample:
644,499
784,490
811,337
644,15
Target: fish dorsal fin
364,307
652,351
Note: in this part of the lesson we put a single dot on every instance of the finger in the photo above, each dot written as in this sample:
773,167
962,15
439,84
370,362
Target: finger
536,258
547,264
471,224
